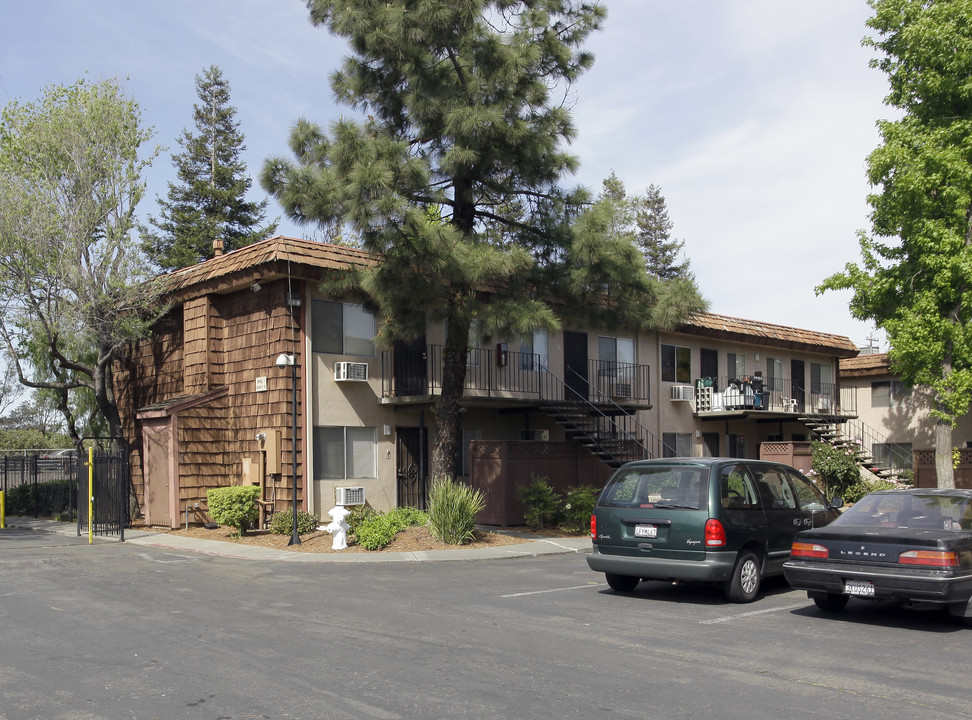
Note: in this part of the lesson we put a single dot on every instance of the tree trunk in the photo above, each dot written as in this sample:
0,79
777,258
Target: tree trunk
447,450
943,455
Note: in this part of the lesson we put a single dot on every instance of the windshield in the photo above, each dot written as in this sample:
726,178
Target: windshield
907,510
659,486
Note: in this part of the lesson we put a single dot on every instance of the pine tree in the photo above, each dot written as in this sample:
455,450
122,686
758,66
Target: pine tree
664,255
209,199
462,118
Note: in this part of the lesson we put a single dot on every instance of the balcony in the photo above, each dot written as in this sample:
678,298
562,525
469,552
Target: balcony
754,394
415,374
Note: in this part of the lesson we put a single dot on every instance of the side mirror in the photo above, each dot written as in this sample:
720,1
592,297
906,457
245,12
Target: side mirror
837,503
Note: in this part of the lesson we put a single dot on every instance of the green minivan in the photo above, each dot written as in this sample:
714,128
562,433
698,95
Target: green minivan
724,520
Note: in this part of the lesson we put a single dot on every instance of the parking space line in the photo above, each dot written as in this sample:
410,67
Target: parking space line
729,618
553,590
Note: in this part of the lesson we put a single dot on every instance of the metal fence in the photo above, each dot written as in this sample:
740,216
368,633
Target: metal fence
110,480
40,482
54,483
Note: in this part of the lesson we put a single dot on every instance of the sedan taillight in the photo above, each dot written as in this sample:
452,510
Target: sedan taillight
715,534
811,550
933,558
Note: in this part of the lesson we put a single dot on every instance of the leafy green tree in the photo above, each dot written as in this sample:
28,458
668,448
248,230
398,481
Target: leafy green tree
209,199
453,177
72,286
916,268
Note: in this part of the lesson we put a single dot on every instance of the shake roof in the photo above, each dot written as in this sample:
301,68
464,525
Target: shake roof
761,333
265,260
863,365
281,256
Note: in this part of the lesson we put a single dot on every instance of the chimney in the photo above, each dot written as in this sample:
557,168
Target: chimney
217,247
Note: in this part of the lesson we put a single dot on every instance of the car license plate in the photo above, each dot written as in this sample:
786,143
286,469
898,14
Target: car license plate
646,531
859,587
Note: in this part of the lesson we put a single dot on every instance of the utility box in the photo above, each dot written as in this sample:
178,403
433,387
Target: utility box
270,444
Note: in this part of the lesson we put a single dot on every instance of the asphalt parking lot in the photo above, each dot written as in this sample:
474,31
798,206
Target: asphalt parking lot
133,631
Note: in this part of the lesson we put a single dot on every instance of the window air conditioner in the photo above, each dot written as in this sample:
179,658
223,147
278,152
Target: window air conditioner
350,372
349,496
622,390
683,393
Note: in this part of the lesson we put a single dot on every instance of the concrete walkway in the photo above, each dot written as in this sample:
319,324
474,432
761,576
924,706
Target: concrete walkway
539,546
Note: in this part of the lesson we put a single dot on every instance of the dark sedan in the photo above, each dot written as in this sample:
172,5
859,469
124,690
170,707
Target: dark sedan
913,546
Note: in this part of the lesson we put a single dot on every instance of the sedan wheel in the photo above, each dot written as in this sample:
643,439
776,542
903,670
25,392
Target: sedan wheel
744,585
832,602
622,583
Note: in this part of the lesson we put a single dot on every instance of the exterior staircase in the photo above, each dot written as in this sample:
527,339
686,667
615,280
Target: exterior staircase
854,437
600,426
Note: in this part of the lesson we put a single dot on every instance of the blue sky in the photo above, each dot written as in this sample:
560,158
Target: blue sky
755,117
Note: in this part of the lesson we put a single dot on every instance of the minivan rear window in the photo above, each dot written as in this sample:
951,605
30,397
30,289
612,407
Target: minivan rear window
657,486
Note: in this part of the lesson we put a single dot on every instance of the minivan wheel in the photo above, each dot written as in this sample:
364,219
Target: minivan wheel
744,585
622,583
831,602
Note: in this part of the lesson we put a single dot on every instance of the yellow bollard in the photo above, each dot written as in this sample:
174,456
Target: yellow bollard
90,495
3,510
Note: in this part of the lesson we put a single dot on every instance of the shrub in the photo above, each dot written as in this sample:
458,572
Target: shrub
282,523
357,515
453,508
541,502
234,506
378,530
836,468
578,508
54,497
861,488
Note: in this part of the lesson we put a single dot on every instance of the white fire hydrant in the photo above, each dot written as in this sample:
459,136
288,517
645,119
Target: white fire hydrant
337,527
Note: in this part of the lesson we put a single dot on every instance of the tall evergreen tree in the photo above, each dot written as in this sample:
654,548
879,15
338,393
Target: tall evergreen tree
914,280
462,119
209,199
664,255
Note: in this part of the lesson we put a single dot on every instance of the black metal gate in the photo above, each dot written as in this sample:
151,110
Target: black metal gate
411,458
110,479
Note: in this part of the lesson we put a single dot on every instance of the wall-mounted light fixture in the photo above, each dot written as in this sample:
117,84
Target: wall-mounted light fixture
256,287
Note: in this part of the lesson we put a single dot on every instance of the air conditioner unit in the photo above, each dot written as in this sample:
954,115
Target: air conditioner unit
349,496
350,372
683,393
622,390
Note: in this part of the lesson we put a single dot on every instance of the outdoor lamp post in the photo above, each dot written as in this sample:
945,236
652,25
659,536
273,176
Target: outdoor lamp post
283,360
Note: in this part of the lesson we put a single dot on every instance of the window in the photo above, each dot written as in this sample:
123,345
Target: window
821,379
774,374
898,456
342,329
615,350
811,499
738,491
736,365
677,445
533,351
776,491
344,452
676,364
888,393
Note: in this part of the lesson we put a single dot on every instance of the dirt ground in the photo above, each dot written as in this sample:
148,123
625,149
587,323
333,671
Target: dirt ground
411,540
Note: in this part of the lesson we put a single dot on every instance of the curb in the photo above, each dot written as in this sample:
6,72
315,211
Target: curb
534,548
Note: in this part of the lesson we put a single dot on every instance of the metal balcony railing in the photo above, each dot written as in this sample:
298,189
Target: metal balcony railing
509,374
772,395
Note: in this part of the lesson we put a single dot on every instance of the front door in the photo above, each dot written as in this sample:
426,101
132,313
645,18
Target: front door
411,368
798,384
411,466
575,363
